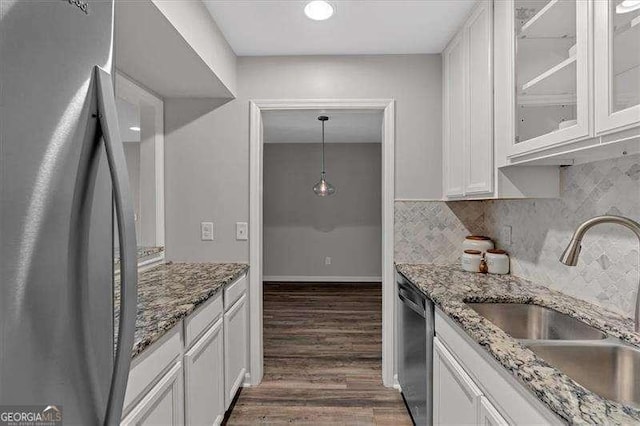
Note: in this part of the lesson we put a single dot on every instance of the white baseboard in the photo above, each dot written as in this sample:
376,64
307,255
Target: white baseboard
319,279
396,383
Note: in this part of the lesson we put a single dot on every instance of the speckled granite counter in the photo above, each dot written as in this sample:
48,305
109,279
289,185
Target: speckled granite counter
449,287
143,253
169,292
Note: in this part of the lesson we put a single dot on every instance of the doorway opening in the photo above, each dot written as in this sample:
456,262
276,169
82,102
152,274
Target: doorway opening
258,110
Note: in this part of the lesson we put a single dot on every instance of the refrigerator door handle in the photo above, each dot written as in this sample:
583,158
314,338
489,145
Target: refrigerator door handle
127,236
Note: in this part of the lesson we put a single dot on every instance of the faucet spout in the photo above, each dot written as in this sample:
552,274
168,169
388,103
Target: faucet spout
572,252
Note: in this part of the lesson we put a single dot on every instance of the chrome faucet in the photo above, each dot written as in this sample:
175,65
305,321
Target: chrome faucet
571,253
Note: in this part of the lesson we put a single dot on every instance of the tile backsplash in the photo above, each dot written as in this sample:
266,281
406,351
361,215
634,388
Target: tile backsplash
432,231
607,272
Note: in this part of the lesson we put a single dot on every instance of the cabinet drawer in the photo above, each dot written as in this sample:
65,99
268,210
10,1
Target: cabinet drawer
234,291
148,367
201,319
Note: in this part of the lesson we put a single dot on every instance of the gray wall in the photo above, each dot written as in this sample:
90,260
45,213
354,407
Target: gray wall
207,150
301,229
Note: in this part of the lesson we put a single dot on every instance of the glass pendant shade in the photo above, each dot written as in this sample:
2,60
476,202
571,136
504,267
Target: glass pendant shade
323,188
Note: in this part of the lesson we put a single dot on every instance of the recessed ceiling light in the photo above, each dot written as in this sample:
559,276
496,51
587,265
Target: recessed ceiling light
318,10
134,128
628,6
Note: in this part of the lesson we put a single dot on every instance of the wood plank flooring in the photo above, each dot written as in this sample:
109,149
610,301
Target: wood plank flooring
322,359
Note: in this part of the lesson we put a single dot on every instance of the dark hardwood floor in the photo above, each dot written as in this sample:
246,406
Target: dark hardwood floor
322,359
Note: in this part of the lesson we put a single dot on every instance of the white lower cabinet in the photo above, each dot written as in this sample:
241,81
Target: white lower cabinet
470,387
235,348
204,379
163,404
192,373
489,416
456,398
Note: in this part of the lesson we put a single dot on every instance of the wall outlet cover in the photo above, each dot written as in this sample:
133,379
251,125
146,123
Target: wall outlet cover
242,231
327,260
206,231
505,235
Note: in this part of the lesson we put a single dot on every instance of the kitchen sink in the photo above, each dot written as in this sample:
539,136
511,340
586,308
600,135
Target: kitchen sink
533,322
610,370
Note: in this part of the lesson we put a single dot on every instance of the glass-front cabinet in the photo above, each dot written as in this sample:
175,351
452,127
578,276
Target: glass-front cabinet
617,64
551,61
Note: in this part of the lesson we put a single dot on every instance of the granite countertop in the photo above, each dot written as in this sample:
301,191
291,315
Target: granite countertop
449,287
169,292
142,253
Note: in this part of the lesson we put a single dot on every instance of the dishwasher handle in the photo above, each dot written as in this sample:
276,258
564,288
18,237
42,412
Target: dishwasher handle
406,299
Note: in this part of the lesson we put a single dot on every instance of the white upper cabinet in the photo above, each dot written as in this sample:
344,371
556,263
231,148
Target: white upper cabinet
454,106
567,81
617,66
479,141
551,66
468,107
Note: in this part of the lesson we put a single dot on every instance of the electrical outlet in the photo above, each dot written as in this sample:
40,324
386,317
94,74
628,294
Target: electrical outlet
505,235
206,231
242,231
327,260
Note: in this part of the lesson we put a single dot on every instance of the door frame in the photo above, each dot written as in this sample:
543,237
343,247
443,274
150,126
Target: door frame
256,107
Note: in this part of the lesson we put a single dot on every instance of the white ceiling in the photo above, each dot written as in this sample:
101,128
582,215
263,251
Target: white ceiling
280,27
302,126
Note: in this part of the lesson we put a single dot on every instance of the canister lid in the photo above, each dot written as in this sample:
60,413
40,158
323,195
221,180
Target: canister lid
473,251
496,251
477,238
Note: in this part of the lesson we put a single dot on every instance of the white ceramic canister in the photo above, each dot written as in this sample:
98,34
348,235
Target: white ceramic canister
471,260
497,261
477,242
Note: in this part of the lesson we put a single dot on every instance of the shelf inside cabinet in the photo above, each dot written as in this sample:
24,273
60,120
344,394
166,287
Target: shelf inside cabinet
557,19
626,46
559,79
546,100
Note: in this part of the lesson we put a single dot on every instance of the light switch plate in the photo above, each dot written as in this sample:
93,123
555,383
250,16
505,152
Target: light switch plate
327,260
505,235
242,231
206,231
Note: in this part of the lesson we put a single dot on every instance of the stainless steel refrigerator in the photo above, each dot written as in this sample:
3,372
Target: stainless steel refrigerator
63,183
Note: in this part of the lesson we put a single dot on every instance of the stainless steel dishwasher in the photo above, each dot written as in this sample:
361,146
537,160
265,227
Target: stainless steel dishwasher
415,350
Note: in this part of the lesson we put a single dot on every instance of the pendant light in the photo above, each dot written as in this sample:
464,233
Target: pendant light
323,188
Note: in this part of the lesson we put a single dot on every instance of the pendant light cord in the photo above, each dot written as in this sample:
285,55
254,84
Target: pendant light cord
323,171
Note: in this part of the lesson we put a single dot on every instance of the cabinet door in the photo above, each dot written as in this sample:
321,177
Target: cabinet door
551,53
489,416
454,116
478,156
163,404
617,65
204,378
235,348
456,398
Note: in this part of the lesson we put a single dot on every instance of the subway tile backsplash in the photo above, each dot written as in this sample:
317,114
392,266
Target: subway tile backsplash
607,272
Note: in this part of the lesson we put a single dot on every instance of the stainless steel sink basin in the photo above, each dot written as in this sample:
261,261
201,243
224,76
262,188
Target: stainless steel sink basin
533,322
612,371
